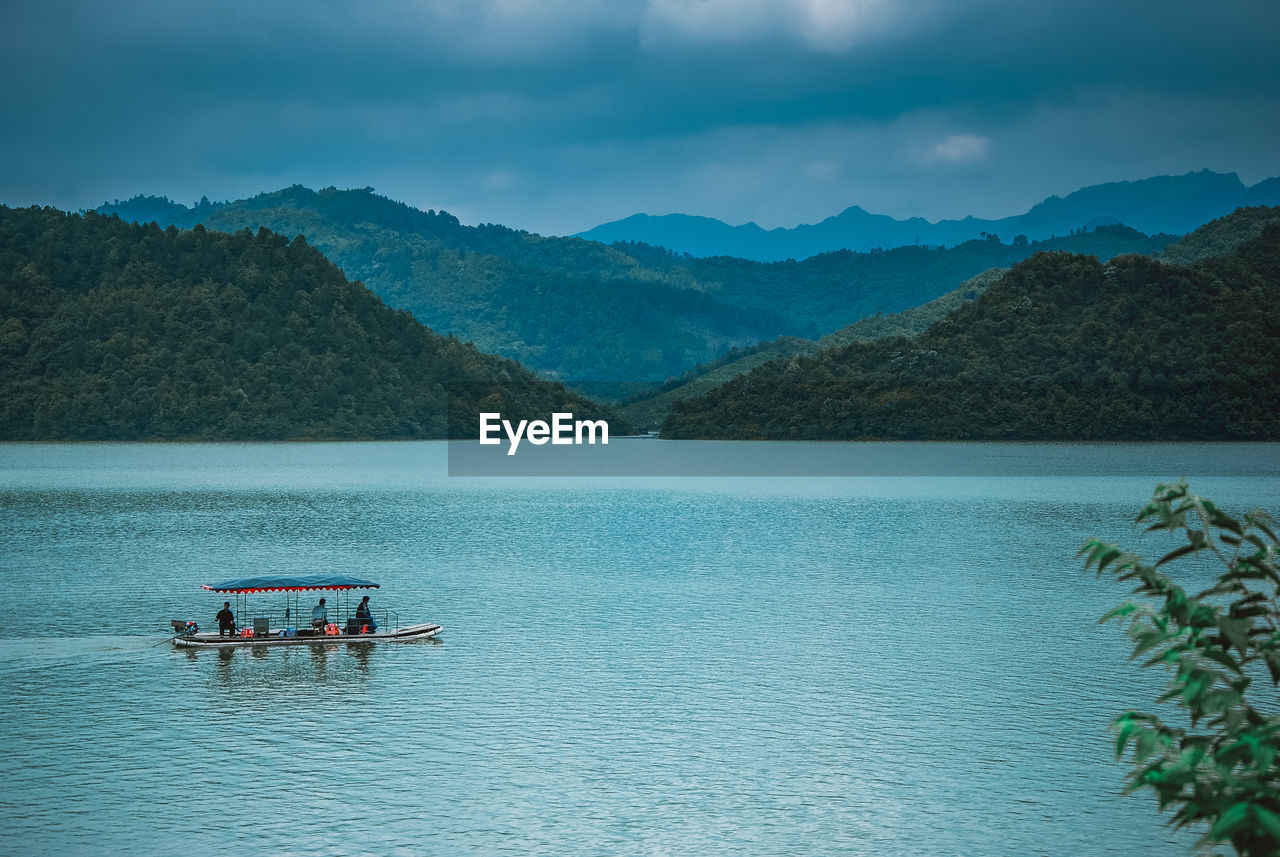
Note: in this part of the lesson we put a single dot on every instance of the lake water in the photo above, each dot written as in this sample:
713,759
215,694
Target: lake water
874,665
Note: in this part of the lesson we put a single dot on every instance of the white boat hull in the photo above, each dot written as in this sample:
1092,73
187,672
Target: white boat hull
425,631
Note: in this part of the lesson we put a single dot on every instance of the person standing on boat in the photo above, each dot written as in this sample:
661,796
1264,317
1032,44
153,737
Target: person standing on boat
319,615
364,617
226,620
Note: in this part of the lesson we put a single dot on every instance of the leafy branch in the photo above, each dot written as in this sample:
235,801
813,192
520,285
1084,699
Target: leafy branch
1222,769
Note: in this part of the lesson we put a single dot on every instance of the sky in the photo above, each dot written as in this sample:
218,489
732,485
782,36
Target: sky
557,115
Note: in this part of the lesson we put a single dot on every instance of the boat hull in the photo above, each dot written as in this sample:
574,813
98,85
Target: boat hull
425,631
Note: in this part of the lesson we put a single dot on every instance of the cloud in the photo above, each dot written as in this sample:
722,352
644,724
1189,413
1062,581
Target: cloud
824,25
824,170
557,114
958,149
501,181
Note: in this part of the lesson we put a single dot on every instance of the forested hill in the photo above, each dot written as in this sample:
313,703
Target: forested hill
1061,347
110,330
585,311
570,308
1222,236
648,411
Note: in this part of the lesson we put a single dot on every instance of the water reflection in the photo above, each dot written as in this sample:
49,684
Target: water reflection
226,658
266,667
360,652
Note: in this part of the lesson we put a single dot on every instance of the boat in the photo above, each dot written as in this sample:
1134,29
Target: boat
294,627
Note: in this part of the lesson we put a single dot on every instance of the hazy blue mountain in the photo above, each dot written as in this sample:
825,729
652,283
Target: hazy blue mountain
687,233
1171,204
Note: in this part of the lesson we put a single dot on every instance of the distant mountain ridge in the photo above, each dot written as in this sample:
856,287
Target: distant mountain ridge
1169,204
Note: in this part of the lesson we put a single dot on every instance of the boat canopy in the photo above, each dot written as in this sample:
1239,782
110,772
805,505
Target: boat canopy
291,584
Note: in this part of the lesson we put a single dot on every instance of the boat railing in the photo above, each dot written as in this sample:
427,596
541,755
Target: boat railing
275,621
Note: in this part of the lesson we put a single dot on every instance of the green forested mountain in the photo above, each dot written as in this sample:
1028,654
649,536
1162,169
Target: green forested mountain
1219,237
1222,236
583,311
914,321
110,330
570,308
649,411
1062,346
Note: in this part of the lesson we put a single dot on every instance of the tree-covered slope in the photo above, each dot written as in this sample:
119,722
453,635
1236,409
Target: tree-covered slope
570,308
110,330
914,321
1061,347
1222,236
649,411
583,311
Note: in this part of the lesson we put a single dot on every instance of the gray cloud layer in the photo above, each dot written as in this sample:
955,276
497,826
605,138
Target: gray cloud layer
556,115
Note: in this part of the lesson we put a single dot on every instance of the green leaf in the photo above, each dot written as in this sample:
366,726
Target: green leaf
1268,821
1235,817
1147,640
1101,554
1272,660
1122,739
1222,520
1119,612
1236,631
1169,491
1148,742
1218,701
1221,657
1169,656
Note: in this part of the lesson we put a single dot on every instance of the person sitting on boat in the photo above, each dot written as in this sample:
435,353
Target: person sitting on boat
364,617
226,621
319,615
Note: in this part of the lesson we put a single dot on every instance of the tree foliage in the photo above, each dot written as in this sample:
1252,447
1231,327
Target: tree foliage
111,330
1062,347
1222,236
650,408
1219,764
